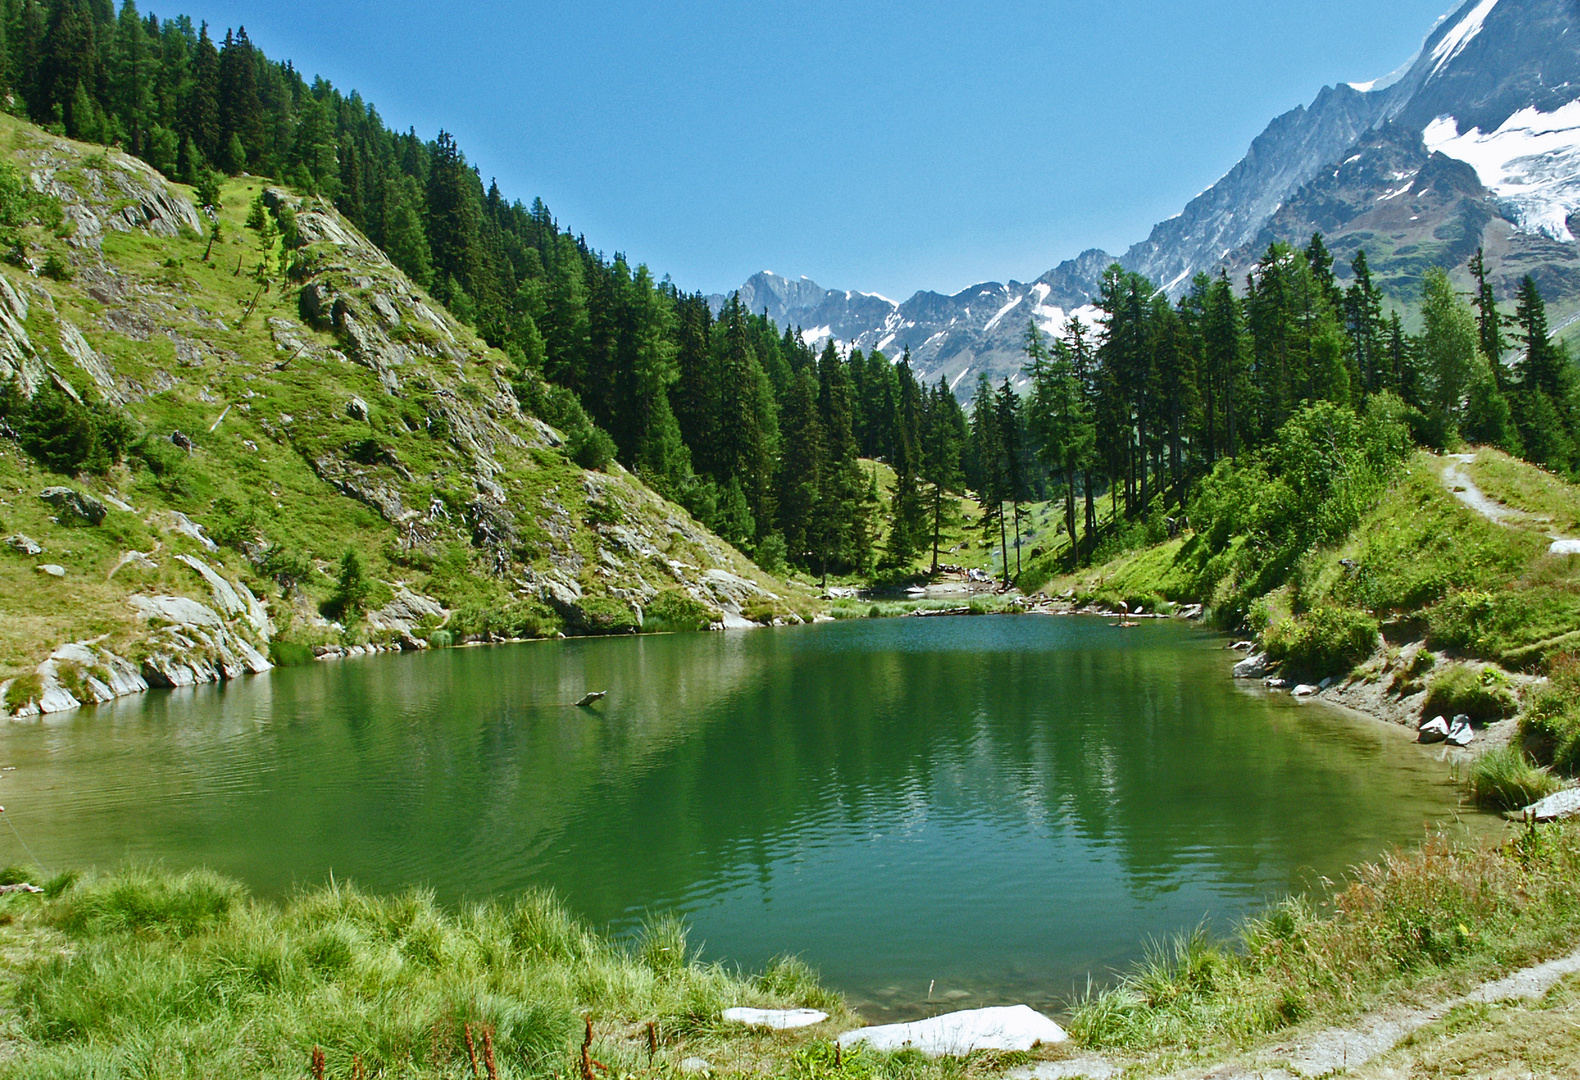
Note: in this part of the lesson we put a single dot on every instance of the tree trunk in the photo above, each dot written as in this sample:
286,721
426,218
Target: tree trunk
1003,539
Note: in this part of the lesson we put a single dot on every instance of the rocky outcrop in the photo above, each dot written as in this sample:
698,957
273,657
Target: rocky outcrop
191,643
74,506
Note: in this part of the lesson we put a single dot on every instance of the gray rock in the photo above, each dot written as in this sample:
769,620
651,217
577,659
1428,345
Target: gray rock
74,506
51,569
1252,667
357,409
232,597
1562,804
135,559
26,545
176,609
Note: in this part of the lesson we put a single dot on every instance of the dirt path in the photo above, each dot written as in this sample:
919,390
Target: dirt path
1457,479
1330,1050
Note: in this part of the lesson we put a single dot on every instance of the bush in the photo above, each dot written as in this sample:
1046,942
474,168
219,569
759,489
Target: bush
771,554
590,447
24,690
495,621
1551,724
62,434
1505,779
57,269
602,615
1324,641
1482,696
289,653
352,589
673,610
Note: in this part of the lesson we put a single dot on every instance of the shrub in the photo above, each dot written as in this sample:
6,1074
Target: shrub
62,434
492,621
771,553
1482,696
1551,724
1323,641
289,653
602,615
1505,779
590,447
57,269
24,690
352,589
673,610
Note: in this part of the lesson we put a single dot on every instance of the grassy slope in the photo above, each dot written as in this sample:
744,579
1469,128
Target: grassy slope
1421,559
170,327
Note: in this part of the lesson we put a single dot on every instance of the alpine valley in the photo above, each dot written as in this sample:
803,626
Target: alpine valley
1474,143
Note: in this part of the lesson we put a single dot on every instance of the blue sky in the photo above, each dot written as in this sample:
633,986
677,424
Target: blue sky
879,146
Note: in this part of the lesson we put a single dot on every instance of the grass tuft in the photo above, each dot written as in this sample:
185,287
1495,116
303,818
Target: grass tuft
1505,779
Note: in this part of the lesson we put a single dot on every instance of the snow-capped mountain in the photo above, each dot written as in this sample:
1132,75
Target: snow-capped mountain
1474,142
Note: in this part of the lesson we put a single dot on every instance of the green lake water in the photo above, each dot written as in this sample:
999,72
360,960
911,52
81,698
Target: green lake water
983,810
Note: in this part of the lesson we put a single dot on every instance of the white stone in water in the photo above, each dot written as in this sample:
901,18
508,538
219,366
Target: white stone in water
778,1019
1306,690
1010,1027
1433,731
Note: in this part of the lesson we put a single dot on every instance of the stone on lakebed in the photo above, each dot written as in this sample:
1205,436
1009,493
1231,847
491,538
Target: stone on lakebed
1011,1027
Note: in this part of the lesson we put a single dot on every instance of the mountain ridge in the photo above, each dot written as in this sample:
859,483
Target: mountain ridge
1484,65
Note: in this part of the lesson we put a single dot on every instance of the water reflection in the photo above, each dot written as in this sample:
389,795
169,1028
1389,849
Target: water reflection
997,806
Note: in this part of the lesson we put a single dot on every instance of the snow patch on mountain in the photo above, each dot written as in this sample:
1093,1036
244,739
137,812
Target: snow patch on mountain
1532,162
1003,311
1453,43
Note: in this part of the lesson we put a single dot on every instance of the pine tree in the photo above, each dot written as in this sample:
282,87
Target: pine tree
1058,418
943,433
1489,322
801,467
200,119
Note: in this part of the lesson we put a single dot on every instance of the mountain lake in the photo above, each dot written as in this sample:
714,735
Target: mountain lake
931,812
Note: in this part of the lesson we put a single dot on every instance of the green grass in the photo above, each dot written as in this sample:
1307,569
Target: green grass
151,974
1505,779
1529,489
1482,694
1551,721
1409,924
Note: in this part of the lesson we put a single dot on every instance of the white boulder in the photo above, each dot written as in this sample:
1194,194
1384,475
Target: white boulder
1563,804
1010,1027
1433,731
778,1019
1252,667
1307,690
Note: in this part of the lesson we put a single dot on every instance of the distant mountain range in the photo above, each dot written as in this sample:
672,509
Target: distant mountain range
1473,143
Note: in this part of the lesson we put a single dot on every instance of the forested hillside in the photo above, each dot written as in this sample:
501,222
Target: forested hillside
756,434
